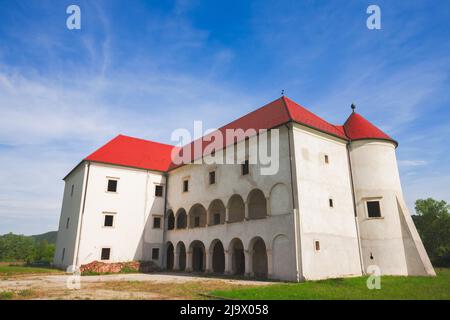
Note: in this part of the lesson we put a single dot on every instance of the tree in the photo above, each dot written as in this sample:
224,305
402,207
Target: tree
433,224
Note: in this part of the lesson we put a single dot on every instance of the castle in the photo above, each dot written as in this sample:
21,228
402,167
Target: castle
333,208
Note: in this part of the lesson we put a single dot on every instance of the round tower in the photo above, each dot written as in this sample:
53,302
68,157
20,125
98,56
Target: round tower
388,237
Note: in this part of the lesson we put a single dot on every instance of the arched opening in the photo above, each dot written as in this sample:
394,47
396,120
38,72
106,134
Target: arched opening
280,201
259,258
170,220
216,212
197,216
181,219
237,257
181,251
236,209
218,257
198,256
283,258
169,256
257,204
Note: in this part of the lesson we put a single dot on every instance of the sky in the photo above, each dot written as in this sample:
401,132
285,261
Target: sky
145,68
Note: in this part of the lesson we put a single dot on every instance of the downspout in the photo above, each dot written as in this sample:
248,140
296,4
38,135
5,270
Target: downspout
166,191
354,207
297,243
82,214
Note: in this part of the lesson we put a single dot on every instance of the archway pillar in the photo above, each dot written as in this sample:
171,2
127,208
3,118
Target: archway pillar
176,260
269,263
208,258
268,211
228,262
227,215
189,265
246,217
248,263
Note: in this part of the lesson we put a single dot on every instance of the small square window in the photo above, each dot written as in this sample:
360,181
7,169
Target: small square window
185,185
245,168
317,245
373,209
327,160
155,253
197,222
109,220
217,218
212,177
112,185
67,223
71,190
330,202
156,222
106,252
158,191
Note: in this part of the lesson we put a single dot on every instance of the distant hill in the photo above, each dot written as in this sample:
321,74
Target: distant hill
49,236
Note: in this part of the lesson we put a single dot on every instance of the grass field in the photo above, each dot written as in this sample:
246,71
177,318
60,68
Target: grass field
396,288
12,269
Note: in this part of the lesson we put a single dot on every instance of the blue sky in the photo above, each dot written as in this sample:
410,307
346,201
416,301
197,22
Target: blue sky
145,68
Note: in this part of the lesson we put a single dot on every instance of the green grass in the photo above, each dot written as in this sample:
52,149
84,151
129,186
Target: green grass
6,295
14,269
392,288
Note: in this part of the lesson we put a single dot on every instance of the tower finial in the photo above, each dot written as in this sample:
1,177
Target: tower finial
353,107
282,92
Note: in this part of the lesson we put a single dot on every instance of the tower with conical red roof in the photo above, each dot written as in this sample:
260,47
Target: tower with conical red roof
388,237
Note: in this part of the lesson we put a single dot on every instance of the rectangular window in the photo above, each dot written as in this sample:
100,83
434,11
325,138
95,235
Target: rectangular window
109,220
373,209
185,185
63,254
156,222
158,191
197,222
330,202
106,252
155,253
245,168
326,159
71,190
217,218
317,245
212,177
67,223
112,185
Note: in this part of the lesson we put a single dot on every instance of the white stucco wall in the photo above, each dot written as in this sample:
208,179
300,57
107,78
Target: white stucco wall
387,242
334,227
133,206
71,208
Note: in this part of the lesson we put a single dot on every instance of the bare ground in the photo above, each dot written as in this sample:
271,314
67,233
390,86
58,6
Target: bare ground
159,286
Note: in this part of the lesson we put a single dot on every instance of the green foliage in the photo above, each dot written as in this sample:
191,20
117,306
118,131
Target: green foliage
433,224
6,295
15,247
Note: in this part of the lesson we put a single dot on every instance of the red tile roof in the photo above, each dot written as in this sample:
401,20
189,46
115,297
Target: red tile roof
357,127
134,152
139,153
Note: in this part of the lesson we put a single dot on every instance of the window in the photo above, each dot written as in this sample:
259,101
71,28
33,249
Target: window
373,209
326,159
185,185
217,218
317,245
108,221
212,177
158,191
330,202
112,185
67,223
155,253
63,254
106,252
156,222
71,190
197,222
245,168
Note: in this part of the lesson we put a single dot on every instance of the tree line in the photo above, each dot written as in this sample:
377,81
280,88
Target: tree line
15,247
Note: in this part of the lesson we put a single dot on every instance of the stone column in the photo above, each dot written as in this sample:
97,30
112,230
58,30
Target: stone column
188,261
176,261
208,258
248,263
269,264
246,211
269,213
228,262
227,215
